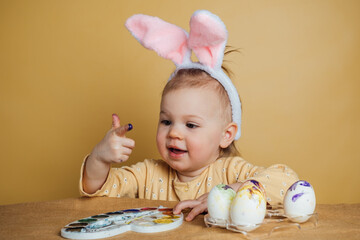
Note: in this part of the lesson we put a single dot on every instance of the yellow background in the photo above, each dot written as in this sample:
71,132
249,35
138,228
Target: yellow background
66,66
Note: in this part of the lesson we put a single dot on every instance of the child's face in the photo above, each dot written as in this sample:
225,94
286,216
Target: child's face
190,129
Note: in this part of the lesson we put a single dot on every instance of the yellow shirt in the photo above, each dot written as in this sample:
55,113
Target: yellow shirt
154,179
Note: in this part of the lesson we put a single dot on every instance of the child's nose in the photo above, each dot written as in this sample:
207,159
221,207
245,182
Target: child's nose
175,132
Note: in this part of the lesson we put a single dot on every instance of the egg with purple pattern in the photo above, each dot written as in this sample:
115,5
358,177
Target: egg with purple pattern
247,210
299,201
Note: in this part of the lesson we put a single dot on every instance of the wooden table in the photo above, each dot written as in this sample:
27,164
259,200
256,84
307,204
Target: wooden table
43,220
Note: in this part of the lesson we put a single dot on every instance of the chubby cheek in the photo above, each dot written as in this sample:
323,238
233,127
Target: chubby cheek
160,142
205,147
199,147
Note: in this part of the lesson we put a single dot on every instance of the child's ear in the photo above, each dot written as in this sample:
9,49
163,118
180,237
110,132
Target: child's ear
228,135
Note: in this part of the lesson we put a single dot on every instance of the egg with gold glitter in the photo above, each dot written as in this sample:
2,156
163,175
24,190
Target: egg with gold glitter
247,210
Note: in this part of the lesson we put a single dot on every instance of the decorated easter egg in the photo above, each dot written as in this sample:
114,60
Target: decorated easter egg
257,184
299,201
219,200
247,210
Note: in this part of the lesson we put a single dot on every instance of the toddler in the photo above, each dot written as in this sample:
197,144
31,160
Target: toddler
200,116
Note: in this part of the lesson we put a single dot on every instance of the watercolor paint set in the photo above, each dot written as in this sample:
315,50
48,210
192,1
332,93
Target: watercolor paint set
142,220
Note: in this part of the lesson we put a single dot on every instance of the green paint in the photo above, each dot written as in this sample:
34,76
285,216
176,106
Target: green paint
88,220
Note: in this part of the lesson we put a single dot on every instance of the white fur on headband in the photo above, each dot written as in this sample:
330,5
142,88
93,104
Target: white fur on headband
207,39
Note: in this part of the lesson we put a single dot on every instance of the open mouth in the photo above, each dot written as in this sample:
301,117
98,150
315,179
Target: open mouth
176,151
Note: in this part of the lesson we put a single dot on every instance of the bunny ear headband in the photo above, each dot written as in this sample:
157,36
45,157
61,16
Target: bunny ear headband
207,39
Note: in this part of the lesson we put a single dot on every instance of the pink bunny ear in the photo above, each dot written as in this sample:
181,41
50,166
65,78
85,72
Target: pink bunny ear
207,38
168,40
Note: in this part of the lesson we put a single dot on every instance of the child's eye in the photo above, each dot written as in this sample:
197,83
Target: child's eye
191,125
166,122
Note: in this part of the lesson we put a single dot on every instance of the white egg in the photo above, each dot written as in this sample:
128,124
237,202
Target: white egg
218,202
299,201
247,210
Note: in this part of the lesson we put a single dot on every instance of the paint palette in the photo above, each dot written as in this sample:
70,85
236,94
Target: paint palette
142,220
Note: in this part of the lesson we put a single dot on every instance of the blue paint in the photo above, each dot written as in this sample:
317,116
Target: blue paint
296,197
131,210
301,183
305,184
115,213
256,183
293,187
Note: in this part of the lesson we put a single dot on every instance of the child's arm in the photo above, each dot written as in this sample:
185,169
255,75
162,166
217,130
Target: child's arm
113,148
276,180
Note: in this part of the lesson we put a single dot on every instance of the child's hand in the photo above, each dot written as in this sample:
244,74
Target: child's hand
198,206
115,147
